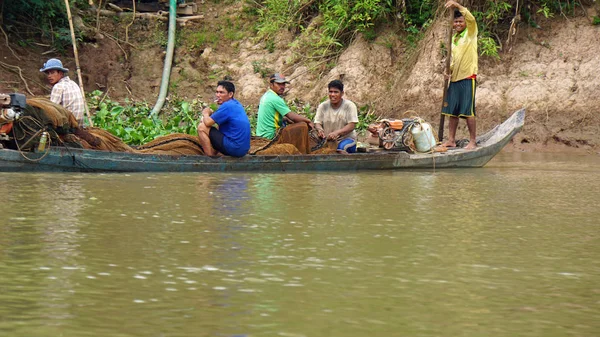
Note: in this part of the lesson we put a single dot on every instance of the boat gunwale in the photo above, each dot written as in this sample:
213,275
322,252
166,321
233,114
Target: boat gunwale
104,161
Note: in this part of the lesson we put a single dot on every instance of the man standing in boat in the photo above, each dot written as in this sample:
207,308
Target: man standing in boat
232,137
272,109
336,119
64,90
460,98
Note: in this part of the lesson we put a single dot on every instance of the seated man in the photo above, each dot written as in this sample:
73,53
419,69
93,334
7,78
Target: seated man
336,119
232,137
272,109
64,90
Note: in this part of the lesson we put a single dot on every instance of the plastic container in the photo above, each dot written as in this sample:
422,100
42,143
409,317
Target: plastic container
423,137
43,141
430,137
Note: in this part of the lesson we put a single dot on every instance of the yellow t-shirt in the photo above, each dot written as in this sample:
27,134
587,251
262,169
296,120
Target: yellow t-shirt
464,49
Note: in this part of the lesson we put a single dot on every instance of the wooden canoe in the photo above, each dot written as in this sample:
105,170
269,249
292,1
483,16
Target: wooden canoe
61,159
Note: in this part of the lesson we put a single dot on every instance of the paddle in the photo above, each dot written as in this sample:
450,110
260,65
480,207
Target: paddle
446,71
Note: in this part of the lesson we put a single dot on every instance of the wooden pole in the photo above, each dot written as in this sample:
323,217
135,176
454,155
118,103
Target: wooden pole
85,107
446,71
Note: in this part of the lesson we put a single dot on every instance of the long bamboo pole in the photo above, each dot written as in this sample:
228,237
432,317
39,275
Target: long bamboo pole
446,71
85,107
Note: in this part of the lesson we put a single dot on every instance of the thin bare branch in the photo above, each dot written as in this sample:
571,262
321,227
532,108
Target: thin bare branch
19,71
7,45
131,23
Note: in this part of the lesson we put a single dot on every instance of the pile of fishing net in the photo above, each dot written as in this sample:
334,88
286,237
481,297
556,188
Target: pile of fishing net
42,114
291,139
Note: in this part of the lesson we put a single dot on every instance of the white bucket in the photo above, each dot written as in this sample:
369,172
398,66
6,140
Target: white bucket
423,137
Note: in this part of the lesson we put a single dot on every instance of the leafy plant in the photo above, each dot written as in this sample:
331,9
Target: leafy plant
545,10
487,46
261,68
46,19
324,26
133,124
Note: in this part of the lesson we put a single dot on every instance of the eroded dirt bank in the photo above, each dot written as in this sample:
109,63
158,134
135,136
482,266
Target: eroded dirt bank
552,72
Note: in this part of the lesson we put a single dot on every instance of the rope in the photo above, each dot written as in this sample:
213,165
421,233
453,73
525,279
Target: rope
314,135
22,153
75,161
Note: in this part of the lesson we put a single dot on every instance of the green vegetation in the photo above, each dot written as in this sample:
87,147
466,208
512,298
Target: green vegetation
202,38
322,28
261,67
33,19
132,123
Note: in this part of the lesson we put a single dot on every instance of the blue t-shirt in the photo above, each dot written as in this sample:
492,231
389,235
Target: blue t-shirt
235,127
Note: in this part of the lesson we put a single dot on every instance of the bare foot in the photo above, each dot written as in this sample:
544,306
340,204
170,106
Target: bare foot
440,148
449,144
471,146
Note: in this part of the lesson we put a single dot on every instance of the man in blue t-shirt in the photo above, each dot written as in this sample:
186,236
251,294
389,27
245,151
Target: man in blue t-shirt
232,137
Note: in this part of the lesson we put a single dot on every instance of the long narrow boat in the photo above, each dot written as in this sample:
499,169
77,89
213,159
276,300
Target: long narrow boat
63,159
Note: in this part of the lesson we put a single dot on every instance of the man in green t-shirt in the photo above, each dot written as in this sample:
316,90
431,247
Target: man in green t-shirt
272,109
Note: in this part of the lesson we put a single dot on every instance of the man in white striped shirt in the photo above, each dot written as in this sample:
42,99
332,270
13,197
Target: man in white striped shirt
64,91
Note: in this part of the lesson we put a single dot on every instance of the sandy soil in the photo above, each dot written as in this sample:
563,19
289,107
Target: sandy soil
552,72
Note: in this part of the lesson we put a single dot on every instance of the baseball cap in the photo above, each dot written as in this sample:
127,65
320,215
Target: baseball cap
278,78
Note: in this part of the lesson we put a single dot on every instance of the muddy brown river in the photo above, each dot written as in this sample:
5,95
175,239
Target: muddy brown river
510,249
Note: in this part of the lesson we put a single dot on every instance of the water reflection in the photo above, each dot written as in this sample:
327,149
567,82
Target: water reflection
508,250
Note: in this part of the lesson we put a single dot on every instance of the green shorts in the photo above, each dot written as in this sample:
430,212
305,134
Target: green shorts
460,100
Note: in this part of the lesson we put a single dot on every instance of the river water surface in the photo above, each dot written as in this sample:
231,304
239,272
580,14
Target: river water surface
511,249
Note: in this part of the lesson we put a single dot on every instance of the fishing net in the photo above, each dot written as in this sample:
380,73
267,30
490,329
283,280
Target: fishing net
325,150
258,143
55,113
173,144
276,149
295,135
39,116
106,140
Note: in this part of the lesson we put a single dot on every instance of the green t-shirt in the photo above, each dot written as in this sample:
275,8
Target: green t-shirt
271,110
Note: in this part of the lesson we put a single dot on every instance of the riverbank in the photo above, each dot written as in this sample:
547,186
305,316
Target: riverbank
549,70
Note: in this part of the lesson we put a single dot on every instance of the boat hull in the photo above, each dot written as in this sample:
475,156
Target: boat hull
61,159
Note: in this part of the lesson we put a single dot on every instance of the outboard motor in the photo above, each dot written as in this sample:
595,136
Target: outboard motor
11,107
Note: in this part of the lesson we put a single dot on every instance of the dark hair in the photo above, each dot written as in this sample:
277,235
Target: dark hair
336,84
457,13
227,85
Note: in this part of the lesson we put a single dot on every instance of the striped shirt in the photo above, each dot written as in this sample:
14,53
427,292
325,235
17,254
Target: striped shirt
67,93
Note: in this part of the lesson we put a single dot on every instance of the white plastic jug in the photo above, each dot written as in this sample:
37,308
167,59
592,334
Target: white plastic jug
423,137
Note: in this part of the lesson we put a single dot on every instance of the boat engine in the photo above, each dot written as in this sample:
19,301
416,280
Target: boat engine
393,134
11,107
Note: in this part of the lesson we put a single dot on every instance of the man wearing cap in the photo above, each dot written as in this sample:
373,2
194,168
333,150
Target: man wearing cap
64,91
272,109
